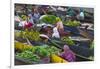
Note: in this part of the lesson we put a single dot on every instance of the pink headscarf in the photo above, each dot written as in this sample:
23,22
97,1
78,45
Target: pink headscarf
66,48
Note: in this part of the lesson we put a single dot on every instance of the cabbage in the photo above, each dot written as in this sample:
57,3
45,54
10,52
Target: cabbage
51,19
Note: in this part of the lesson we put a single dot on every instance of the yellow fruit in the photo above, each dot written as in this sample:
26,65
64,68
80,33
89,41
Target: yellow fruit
57,59
21,46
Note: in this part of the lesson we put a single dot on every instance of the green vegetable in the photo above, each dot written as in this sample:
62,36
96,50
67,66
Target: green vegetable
68,41
35,53
72,23
51,19
28,55
54,50
46,50
42,51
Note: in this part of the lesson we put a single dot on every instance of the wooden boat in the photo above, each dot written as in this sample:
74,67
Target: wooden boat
81,52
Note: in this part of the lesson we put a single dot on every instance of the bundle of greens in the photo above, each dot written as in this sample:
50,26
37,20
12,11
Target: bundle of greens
35,53
68,41
72,23
53,50
42,51
46,50
28,55
51,19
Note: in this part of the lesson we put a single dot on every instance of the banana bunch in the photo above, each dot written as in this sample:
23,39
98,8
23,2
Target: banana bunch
22,47
31,35
34,35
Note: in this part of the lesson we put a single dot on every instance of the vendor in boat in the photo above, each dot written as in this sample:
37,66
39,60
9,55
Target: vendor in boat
70,13
60,27
55,33
35,15
67,54
46,32
24,23
81,15
43,9
30,18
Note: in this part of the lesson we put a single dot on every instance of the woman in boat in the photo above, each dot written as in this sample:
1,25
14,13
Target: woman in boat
81,15
55,33
46,32
60,28
67,54
70,13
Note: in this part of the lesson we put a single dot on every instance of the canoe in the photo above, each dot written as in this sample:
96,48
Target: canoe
24,61
72,30
80,51
78,38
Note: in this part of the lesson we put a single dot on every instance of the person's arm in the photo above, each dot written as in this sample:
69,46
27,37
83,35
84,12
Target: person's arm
57,25
62,55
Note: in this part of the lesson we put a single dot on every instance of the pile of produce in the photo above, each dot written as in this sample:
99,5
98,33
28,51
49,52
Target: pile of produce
35,53
24,17
22,47
30,34
42,51
50,19
53,50
38,49
28,55
72,23
68,41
